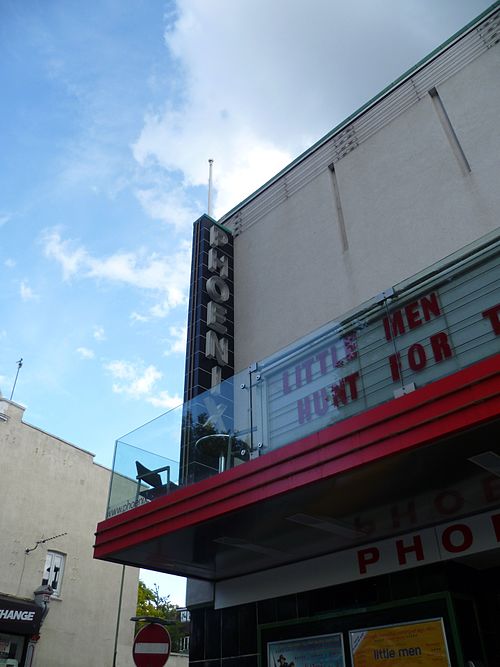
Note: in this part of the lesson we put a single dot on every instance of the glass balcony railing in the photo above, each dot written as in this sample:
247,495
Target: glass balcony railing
139,476
425,328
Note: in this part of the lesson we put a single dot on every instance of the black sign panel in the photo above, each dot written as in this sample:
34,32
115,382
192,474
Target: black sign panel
19,617
211,261
210,349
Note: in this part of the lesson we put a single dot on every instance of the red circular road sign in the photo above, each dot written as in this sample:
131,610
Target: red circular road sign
151,646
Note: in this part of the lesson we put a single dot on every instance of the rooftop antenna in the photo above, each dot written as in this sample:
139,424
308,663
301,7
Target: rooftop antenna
19,364
209,208
47,539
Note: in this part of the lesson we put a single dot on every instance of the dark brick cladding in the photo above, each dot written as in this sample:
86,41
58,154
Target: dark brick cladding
229,637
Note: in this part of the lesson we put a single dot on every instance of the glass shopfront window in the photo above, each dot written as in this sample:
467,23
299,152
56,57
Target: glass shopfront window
11,650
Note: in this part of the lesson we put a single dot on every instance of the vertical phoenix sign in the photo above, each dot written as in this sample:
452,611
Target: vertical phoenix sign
210,346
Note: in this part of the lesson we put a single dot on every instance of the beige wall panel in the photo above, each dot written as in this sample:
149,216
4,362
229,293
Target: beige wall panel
51,487
406,203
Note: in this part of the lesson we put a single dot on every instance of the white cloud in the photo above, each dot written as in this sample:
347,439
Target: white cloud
4,218
171,206
4,382
243,160
159,310
132,379
85,352
27,294
139,382
72,259
264,80
165,400
10,263
99,333
137,317
164,275
177,341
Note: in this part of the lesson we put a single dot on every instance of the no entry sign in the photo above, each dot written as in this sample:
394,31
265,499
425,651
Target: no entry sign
151,646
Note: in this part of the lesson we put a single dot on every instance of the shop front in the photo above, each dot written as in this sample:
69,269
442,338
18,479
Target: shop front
376,533
414,584
438,630
20,622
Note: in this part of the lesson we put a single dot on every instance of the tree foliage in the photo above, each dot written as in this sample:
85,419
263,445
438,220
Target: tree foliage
151,603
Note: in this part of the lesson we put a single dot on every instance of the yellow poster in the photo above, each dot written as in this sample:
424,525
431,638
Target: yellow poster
421,644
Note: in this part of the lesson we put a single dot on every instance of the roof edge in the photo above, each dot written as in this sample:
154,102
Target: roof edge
370,103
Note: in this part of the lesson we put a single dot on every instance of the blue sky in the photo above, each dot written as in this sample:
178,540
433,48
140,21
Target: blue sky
109,113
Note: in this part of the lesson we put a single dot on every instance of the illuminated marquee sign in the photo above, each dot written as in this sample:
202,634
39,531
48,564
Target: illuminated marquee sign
405,343
344,353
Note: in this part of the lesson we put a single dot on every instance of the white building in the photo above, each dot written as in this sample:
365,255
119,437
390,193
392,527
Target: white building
340,500
52,496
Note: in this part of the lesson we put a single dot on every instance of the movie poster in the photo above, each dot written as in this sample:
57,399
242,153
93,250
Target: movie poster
321,651
420,644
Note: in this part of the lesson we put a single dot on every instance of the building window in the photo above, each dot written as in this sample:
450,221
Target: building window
53,572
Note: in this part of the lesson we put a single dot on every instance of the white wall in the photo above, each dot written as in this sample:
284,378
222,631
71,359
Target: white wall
406,204
51,487
178,660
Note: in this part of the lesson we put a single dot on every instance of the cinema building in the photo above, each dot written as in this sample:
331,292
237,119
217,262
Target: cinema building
331,485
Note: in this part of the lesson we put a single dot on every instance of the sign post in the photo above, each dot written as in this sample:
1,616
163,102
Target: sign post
151,646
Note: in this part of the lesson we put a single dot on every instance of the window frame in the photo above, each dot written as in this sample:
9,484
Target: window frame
49,570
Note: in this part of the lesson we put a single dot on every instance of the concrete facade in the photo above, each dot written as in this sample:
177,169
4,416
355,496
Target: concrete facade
405,198
406,182
279,547
49,488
